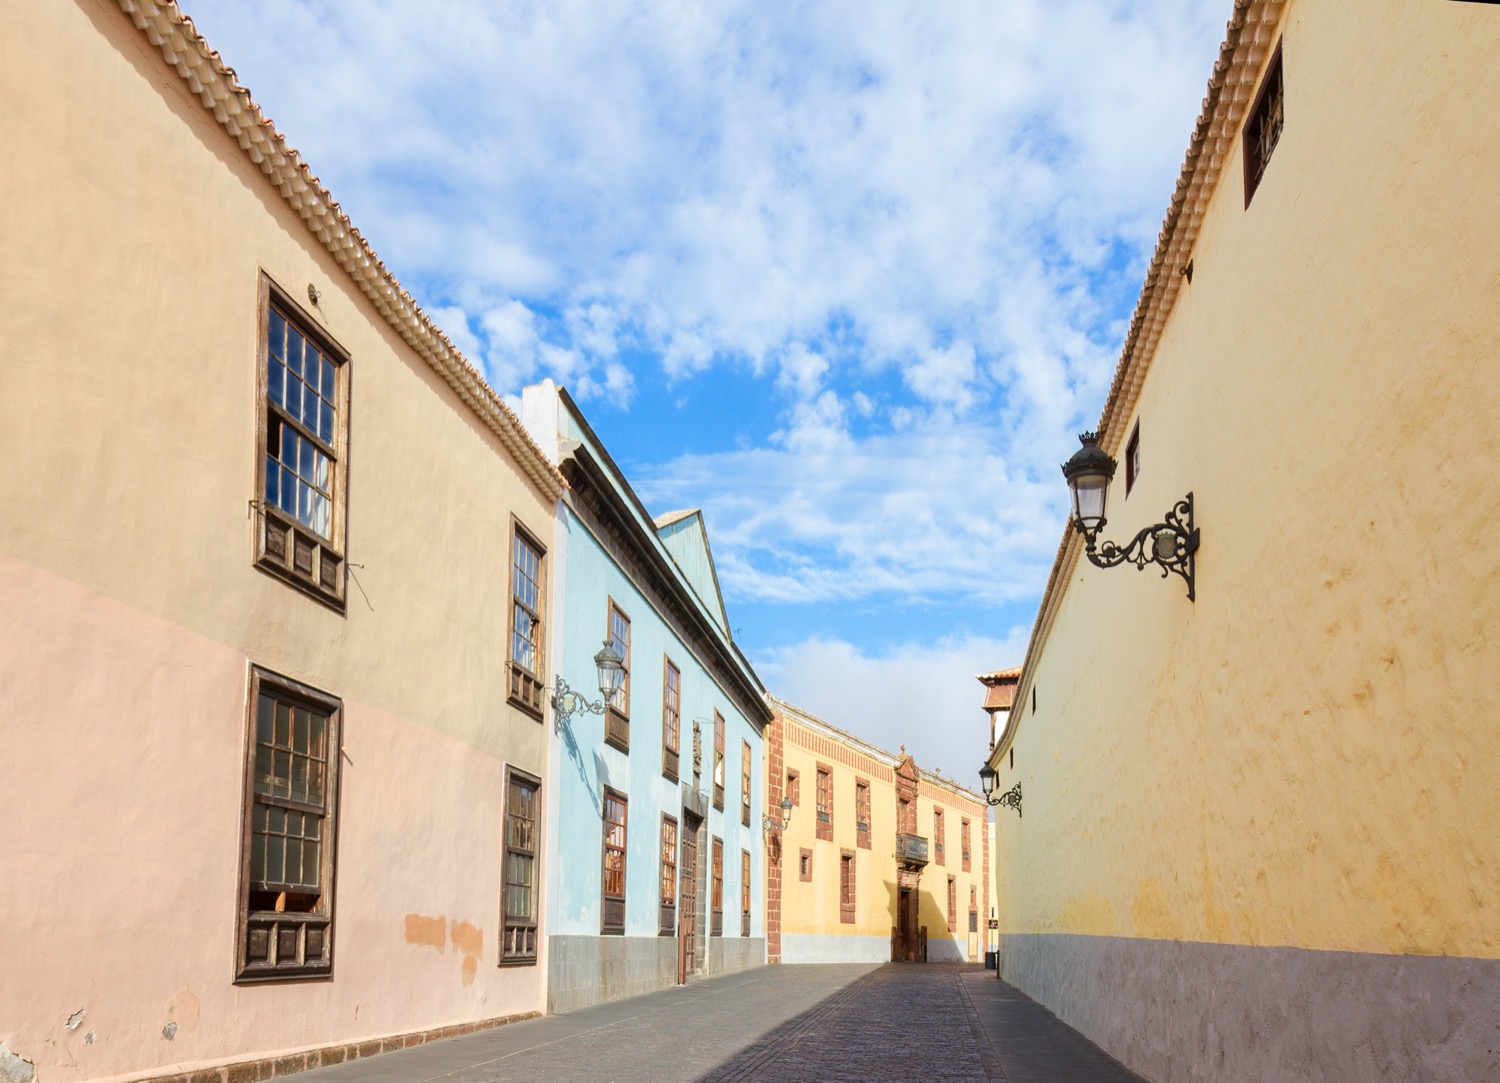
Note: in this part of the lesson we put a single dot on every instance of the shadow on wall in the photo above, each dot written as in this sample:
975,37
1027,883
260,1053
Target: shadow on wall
576,755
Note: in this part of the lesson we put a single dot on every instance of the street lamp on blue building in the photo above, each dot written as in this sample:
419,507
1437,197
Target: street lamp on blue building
566,702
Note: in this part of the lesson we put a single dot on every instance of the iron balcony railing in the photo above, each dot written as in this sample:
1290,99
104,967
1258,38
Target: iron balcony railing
911,849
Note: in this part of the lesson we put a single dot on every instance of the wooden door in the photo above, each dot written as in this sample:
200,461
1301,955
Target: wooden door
903,926
687,902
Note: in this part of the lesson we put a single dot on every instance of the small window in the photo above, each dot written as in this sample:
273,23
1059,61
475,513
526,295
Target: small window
825,802
518,912
745,784
1133,458
289,831
846,887
671,719
804,867
937,836
302,452
966,851
862,813
1263,125
526,596
744,892
615,809
668,922
794,787
952,904
617,716
718,761
718,889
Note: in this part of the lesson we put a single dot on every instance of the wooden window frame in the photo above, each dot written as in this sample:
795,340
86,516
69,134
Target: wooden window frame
525,687
967,853
1133,458
745,776
284,546
847,887
509,955
717,900
671,719
617,712
952,903
667,918
1269,106
718,761
939,855
609,902
862,813
744,892
794,787
804,866
823,788
277,931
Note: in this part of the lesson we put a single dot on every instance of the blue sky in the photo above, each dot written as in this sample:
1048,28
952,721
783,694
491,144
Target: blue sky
848,275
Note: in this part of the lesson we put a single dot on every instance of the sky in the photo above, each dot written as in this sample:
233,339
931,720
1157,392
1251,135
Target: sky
848,275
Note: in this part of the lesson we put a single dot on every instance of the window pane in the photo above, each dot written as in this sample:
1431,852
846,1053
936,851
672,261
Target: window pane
325,423
288,446
326,388
275,380
276,334
294,350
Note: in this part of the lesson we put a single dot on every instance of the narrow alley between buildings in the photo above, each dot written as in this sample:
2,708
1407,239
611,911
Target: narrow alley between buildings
912,1023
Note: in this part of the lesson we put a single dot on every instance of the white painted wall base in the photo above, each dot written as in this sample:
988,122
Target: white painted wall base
814,948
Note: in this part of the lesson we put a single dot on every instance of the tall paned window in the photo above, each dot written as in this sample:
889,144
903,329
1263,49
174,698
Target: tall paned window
617,717
613,917
744,892
952,904
290,824
718,892
846,887
965,840
519,909
937,836
302,466
718,760
668,922
671,719
825,802
745,784
862,813
525,666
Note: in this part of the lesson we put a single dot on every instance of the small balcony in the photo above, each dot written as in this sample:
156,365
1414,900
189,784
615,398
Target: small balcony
911,850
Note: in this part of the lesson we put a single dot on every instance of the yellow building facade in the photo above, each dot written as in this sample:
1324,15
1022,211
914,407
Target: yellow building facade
1260,826
275,588
878,860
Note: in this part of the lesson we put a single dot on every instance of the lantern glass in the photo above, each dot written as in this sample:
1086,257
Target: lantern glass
1089,494
611,671
987,779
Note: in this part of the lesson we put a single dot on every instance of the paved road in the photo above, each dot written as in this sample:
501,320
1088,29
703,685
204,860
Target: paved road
899,1023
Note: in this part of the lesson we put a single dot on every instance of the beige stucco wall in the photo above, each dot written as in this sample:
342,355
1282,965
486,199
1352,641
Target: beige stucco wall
135,233
1305,756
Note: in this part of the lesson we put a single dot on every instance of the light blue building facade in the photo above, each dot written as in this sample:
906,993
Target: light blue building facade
654,858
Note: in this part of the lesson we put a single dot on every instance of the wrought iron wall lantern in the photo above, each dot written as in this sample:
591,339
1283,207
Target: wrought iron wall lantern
566,702
770,824
1011,798
1169,544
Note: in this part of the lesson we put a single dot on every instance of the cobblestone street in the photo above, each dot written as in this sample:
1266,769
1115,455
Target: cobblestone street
906,1023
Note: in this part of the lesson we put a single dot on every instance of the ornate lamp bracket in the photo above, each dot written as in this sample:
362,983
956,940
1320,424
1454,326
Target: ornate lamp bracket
1011,798
1169,545
566,703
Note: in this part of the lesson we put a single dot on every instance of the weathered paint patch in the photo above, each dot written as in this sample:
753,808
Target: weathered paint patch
74,1020
427,932
184,1009
14,1068
468,939
169,1032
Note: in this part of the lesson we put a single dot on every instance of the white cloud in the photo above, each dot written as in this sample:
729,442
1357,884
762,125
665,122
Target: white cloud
921,695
